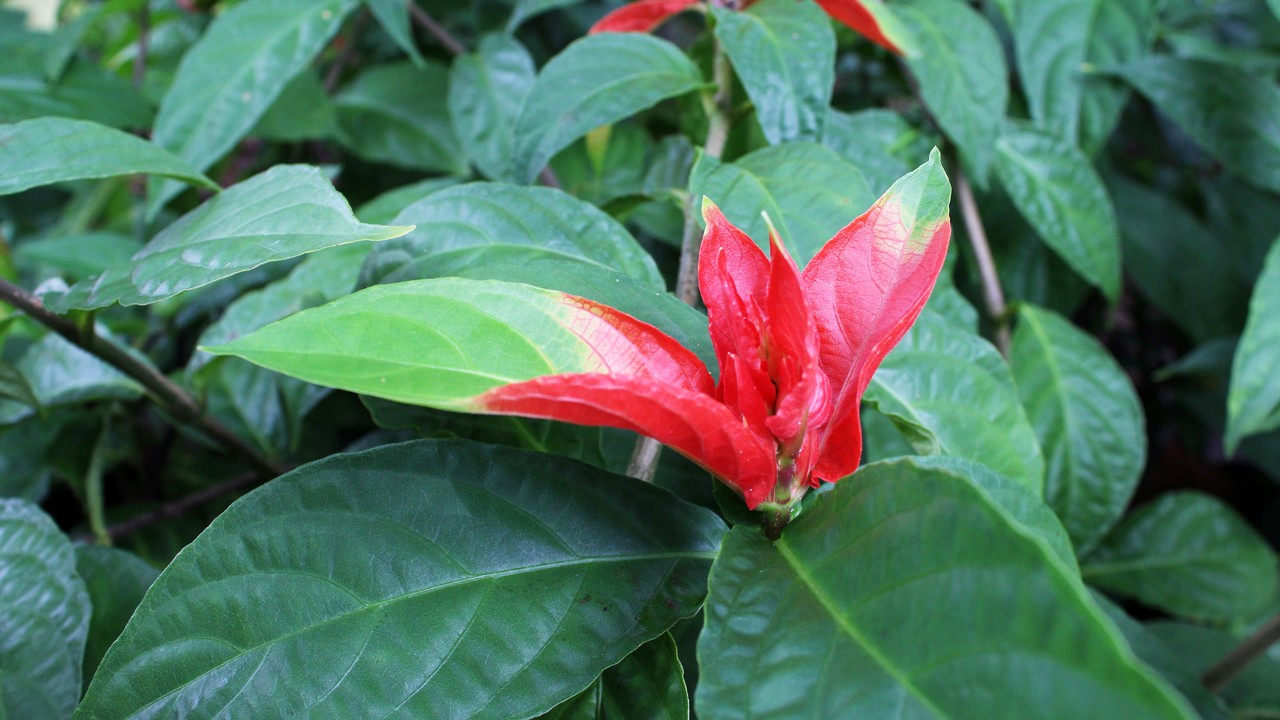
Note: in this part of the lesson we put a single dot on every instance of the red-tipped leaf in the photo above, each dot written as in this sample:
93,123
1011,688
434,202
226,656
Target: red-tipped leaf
872,20
641,17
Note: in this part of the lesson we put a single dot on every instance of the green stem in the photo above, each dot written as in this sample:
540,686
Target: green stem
93,500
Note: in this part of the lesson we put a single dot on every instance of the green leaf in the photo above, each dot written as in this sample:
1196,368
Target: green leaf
450,549
116,581
23,449
1229,111
1088,420
526,9
384,208
871,140
1253,693
14,386
395,114
648,683
486,89
287,211
951,393
60,373
302,111
541,221
393,16
1161,240
1056,189
66,39
904,592
86,92
597,80
809,192
611,164
1253,402
1189,554
229,78
77,256
962,75
45,619
784,54
53,150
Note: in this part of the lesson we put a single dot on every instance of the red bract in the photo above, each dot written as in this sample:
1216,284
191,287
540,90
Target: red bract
796,350
865,17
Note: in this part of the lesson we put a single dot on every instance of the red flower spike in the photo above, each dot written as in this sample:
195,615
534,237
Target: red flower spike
641,16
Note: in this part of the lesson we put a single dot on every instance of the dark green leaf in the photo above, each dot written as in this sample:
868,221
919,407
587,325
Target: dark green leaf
451,549
525,9
23,448
1189,554
809,192
302,111
1228,110
1088,420
1253,693
53,150
234,73
610,163
86,92
14,386
116,581
905,592
66,40
951,393
393,16
384,208
542,221
597,80
486,89
1253,404
962,75
1059,193
647,685
287,211
45,619
60,373
77,256
396,114
784,53
880,143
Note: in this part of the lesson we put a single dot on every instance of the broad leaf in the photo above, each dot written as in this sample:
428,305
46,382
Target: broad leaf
784,55
60,373
950,393
1087,418
116,580
393,16
1058,42
384,208
234,73
1253,404
565,567
1189,554
14,387
45,619
486,89
287,211
1056,189
1228,110
962,75
544,221
873,141
526,9
52,150
67,38
84,91
78,256
595,81
809,192
1252,693
648,683
903,592
24,473
302,111
395,114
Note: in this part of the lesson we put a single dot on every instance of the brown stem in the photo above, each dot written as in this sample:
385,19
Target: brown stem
140,60
1216,677
178,507
548,178
992,293
345,56
167,393
435,29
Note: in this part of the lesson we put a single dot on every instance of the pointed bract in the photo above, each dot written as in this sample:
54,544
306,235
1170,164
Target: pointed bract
872,20
641,16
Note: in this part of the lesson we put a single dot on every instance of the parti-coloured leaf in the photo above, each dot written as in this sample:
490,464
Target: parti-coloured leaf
873,20
1087,418
1253,402
451,549
53,150
898,593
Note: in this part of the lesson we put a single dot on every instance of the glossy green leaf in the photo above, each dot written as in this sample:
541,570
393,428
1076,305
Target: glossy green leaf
53,150
1253,403
1162,238
1228,110
543,221
396,114
809,192
1088,420
85,92
1058,42
45,619
611,164
285,212
951,393
1253,693
450,549
784,54
1057,190
872,141
14,387
486,89
77,256
234,73
962,75
384,208
597,80
905,592
116,580
1189,554
393,16
60,373
647,685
